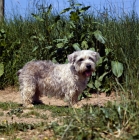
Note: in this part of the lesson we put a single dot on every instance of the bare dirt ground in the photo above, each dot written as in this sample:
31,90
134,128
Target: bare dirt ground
11,94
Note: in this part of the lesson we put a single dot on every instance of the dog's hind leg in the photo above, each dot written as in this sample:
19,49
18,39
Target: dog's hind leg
36,97
27,90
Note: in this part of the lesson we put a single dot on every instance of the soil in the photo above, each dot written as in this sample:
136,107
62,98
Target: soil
11,94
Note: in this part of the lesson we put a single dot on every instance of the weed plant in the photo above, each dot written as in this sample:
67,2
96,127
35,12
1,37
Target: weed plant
113,121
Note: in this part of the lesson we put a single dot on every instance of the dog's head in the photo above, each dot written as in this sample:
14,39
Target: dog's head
84,61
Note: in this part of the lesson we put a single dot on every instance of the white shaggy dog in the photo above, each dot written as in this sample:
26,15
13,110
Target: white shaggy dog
59,80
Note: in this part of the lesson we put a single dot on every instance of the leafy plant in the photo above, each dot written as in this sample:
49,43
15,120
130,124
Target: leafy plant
85,35
79,35
49,35
115,122
1,69
117,68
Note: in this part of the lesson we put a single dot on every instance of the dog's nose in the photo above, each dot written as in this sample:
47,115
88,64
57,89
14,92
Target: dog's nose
88,66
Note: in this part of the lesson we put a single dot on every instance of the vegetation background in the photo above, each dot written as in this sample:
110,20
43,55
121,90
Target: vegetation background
48,34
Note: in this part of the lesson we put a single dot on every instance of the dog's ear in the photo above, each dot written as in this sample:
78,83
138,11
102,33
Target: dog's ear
72,57
96,55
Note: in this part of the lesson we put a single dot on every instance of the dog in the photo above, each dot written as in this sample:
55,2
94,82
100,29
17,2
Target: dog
64,81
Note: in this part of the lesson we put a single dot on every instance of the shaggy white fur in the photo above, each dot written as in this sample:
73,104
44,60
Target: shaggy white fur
59,80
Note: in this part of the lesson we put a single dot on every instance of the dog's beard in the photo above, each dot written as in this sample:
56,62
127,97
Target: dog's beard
87,73
84,72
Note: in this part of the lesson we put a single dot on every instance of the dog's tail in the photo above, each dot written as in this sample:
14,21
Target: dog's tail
18,72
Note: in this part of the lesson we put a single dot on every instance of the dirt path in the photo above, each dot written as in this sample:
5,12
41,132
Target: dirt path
13,95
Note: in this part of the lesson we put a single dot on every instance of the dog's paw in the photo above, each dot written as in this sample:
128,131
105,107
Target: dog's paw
29,106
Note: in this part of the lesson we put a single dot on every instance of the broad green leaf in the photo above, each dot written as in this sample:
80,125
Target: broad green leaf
54,60
99,37
117,68
49,10
74,16
102,76
72,25
2,31
105,59
71,35
49,47
119,111
100,61
107,51
84,9
3,43
61,40
106,89
38,17
41,37
84,45
33,37
1,69
90,85
92,49
65,10
76,46
35,48
97,84
78,4
60,45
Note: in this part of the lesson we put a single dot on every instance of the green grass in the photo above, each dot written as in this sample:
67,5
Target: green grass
8,105
89,122
60,111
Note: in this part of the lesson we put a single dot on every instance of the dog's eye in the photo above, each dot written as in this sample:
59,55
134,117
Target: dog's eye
91,59
81,59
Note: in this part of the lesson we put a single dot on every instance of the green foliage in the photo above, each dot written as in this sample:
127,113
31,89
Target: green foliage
99,37
52,36
115,121
16,111
117,68
8,128
8,105
1,69
60,111
47,40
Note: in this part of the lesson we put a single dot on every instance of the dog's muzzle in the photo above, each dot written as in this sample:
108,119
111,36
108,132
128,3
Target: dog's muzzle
88,71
